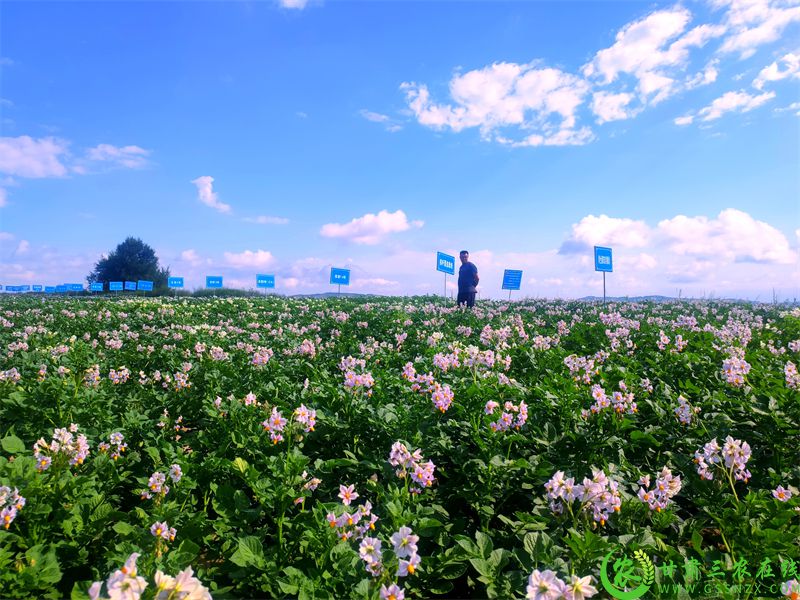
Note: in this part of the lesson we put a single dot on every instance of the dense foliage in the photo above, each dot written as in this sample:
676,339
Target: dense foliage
354,448
131,260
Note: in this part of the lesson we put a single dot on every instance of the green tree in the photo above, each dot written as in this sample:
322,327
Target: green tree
130,261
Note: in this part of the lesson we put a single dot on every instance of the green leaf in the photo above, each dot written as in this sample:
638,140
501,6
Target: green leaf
240,464
250,553
12,444
123,528
484,567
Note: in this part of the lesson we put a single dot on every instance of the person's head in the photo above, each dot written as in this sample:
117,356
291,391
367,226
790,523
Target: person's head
464,256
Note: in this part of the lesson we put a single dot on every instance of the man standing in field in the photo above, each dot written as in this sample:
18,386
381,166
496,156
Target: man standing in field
467,280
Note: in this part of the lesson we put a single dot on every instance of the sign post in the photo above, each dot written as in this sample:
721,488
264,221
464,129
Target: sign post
265,281
214,282
114,286
512,279
144,285
603,262
340,277
175,283
447,265
97,286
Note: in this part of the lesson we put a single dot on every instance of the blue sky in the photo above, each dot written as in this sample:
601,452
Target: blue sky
261,137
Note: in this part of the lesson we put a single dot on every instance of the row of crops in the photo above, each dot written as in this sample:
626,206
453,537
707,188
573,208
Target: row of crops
398,448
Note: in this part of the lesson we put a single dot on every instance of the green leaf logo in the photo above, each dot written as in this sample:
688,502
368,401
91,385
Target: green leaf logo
647,580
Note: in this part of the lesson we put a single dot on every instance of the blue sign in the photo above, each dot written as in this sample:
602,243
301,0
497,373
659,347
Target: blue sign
61,289
49,289
175,282
130,286
213,281
1,288
265,281
37,288
511,279
602,259
24,288
144,285
340,276
445,263
74,287
96,286
114,286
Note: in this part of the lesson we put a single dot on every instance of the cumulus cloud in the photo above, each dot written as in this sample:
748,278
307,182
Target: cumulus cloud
505,95
733,235
25,156
370,229
249,259
752,23
207,195
606,231
654,50
373,116
685,120
6,236
266,220
3,197
739,101
774,72
611,107
132,157
294,4
22,247
190,256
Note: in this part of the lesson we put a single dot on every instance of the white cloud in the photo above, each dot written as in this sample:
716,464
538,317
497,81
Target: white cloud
611,107
132,157
370,229
22,247
295,4
6,236
752,23
28,157
707,75
685,120
606,231
506,95
3,197
190,256
208,196
732,236
773,72
373,116
368,282
739,101
653,50
249,259
266,220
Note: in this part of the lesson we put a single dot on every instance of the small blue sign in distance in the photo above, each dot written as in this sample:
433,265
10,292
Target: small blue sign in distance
130,286
512,279
265,281
340,276
213,281
49,289
144,285
175,282
97,286
37,288
61,289
602,259
1,288
75,287
114,286
24,288
445,263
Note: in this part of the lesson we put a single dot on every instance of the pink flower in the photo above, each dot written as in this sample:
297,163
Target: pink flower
347,494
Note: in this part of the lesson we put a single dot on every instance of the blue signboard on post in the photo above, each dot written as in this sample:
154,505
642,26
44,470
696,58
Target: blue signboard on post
61,289
24,288
512,279
213,281
445,263
340,276
130,286
175,282
37,288
97,286
115,286
602,259
74,287
49,289
144,285
265,281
